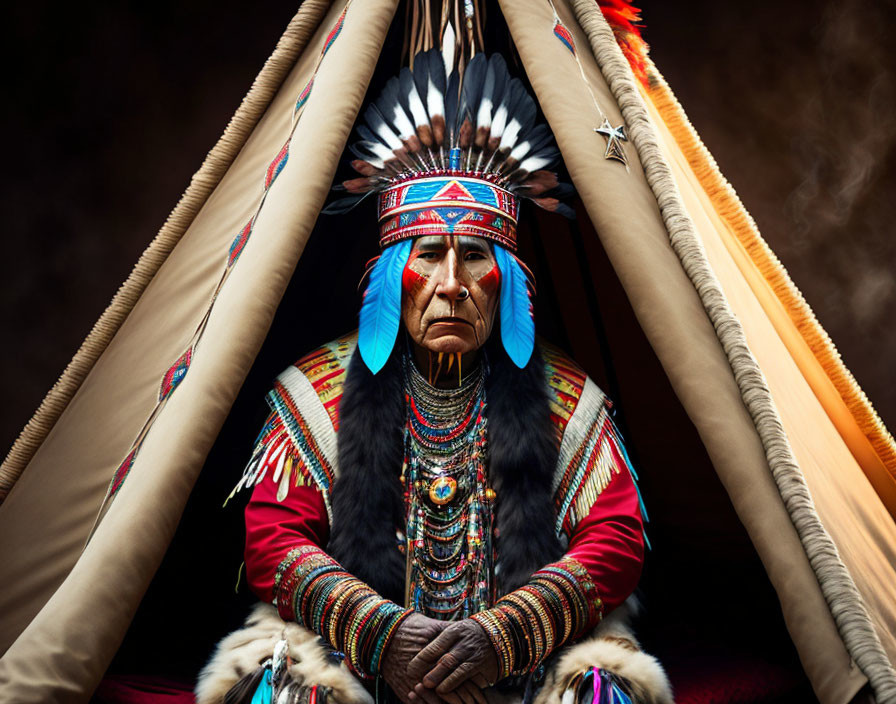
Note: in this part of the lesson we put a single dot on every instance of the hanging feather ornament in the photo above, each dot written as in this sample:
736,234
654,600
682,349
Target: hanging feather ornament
517,325
625,21
381,309
597,686
454,25
264,693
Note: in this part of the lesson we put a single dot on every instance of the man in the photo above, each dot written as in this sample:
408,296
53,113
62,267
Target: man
446,510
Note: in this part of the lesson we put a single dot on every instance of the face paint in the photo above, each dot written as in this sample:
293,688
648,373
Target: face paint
491,279
412,281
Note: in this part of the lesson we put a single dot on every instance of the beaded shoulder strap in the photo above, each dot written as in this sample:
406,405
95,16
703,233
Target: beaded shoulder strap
297,445
566,381
592,451
325,369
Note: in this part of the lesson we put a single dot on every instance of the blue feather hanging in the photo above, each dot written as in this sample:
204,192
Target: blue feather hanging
381,309
264,694
517,325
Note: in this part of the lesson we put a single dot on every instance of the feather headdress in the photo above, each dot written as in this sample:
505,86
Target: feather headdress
431,125
450,155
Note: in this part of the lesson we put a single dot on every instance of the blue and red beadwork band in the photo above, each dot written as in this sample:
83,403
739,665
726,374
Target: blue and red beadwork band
449,203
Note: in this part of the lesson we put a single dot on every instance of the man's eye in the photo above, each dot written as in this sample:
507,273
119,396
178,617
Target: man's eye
428,256
473,256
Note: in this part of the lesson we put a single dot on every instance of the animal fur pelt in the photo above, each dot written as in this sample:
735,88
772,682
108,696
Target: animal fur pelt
238,656
368,506
522,458
367,497
612,647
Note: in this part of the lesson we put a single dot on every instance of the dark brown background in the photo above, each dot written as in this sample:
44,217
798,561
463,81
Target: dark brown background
109,109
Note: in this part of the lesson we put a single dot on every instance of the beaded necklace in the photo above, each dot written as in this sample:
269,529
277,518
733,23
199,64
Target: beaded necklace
449,504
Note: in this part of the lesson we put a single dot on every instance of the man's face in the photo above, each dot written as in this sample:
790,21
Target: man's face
450,293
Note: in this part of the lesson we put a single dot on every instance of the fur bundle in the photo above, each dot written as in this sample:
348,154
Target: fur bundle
611,646
367,497
233,668
522,457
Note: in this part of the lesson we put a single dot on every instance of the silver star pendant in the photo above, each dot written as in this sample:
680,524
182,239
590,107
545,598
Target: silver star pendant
615,137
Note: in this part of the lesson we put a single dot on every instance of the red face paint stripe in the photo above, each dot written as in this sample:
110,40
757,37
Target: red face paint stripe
410,279
491,277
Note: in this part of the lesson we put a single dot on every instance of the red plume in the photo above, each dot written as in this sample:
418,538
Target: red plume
625,19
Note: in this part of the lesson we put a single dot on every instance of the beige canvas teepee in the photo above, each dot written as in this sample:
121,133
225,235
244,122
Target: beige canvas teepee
115,449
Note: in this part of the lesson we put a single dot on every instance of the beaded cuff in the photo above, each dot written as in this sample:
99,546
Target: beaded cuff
556,606
313,589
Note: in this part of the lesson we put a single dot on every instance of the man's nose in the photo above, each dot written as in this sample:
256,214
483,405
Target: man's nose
449,286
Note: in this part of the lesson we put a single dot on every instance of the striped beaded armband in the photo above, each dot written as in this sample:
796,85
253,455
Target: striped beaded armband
558,604
493,621
314,590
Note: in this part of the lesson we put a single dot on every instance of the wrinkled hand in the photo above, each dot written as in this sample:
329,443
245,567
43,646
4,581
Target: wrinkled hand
412,635
455,667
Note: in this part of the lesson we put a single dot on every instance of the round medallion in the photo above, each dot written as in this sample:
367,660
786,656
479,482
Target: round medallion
442,490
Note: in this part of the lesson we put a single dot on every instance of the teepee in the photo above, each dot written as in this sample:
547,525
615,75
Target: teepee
665,272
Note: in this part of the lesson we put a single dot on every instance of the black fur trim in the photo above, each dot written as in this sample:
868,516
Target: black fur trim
367,497
523,454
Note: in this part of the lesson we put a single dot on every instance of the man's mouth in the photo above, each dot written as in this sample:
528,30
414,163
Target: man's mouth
451,320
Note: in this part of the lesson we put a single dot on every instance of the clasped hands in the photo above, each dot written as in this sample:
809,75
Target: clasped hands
434,662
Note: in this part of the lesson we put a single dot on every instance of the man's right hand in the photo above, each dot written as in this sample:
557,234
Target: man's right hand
413,635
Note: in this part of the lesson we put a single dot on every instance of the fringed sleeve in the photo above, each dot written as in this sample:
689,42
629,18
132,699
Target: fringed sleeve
289,506
292,467
599,508
609,541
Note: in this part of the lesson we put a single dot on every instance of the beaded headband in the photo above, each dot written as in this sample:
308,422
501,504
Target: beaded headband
448,204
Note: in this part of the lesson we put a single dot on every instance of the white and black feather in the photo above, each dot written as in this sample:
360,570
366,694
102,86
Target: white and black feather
422,115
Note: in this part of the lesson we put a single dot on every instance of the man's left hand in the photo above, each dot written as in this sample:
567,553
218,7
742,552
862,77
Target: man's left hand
461,652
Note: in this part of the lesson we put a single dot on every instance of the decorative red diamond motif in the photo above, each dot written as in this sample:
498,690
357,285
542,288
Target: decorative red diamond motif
122,472
175,374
